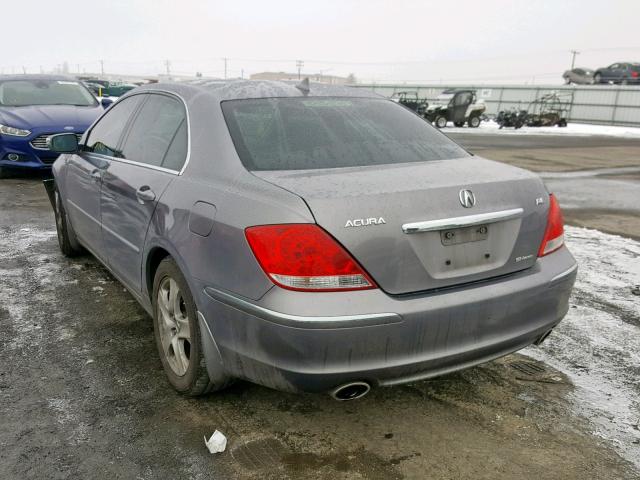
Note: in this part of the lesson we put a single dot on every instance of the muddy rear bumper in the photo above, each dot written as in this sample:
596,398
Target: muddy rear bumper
316,341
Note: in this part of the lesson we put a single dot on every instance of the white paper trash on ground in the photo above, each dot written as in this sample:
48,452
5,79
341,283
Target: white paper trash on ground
217,443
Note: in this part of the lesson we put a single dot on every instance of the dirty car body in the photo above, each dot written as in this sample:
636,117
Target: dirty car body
327,236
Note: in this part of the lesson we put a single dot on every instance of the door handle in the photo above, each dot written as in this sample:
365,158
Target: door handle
96,175
145,194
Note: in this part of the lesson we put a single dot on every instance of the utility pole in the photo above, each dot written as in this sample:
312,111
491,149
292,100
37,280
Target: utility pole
167,64
299,64
24,70
225,67
573,58
102,67
242,74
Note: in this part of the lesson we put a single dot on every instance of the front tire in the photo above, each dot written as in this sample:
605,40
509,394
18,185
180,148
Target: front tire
597,78
474,121
441,121
67,240
177,333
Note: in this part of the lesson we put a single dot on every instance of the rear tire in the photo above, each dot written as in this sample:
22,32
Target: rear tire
441,121
67,240
177,333
474,121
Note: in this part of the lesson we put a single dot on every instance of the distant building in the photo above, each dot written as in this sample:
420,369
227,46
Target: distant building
315,77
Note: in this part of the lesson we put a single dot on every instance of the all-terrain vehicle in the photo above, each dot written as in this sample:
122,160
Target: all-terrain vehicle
457,106
550,110
513,117
411,101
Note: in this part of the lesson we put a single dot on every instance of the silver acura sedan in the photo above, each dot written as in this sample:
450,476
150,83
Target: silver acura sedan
309,237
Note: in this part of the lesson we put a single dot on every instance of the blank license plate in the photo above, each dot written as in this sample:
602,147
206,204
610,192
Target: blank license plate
464,235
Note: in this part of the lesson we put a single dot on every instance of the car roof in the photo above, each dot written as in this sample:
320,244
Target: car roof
457,90
36,77
223,90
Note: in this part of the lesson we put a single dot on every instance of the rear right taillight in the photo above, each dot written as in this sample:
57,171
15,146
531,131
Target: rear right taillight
304,257
635,73
554,232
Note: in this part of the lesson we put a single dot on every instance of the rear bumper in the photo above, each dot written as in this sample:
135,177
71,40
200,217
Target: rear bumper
314,342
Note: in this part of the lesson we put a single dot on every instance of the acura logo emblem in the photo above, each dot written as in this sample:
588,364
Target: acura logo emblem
466,198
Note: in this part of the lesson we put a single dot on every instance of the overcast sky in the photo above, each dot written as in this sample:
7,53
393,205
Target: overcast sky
486,41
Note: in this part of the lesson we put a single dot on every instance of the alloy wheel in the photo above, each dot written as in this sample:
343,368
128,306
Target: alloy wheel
173,323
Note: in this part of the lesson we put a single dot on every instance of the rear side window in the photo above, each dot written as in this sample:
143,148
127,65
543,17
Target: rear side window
158,135
105,135
313,133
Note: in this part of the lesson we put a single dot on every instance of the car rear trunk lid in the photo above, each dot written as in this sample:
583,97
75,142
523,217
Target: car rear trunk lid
407,226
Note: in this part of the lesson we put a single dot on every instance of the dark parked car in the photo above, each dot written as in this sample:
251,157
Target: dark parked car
320,239
32,108
106,88
579,76
623,73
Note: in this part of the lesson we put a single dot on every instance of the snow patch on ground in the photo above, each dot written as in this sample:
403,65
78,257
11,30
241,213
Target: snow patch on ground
598,343
573,129
14,282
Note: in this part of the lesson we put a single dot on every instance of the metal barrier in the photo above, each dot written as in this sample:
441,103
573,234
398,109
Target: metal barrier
599,104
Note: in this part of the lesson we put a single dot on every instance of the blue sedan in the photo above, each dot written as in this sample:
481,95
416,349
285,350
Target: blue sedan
34,107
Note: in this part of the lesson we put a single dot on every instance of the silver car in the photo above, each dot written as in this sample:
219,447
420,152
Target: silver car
579,76
309,238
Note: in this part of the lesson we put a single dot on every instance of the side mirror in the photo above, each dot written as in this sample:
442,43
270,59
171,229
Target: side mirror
106,102
63,143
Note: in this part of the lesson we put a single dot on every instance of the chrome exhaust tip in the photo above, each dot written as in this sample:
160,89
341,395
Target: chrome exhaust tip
350,391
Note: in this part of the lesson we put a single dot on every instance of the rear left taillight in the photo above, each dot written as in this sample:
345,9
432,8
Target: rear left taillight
635,73
554,233
304,257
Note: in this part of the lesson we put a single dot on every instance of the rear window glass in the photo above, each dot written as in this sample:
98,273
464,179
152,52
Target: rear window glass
314,133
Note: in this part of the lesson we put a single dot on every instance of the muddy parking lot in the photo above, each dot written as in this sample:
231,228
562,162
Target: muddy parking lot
83,394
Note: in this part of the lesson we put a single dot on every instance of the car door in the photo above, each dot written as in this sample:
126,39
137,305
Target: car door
460,102
83,180
153,152
612,72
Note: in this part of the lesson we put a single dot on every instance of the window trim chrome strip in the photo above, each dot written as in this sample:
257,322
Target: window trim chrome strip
132,162
461,222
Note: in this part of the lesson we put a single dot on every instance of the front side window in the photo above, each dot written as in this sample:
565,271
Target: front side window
105,135
21,93
314,133
158,135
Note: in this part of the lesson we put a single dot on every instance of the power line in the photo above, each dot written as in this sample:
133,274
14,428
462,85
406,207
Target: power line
573,58
299,65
